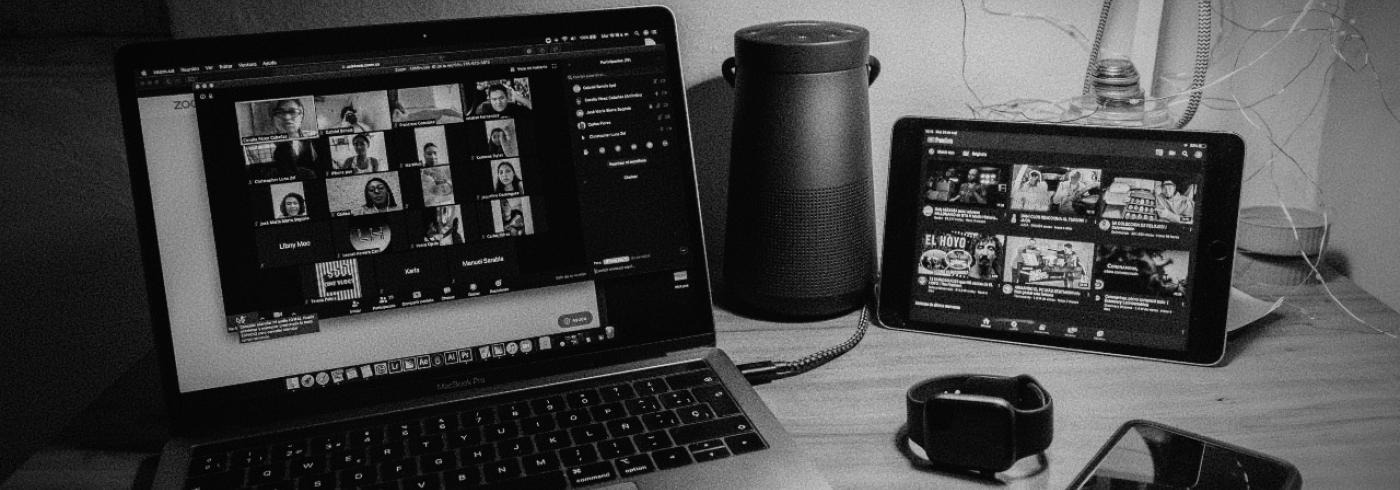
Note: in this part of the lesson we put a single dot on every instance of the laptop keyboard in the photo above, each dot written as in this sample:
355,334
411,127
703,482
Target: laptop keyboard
576,434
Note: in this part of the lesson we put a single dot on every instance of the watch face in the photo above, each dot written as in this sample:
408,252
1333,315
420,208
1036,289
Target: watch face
970,431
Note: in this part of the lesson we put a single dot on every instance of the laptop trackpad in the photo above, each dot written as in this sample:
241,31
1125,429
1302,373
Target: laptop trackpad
620,486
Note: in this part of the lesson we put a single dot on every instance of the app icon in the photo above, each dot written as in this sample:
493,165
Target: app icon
526,346
293,383
381,368
512,348
323,378
308,380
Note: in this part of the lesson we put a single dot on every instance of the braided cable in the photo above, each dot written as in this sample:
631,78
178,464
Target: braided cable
1198,76
1095,47
817,359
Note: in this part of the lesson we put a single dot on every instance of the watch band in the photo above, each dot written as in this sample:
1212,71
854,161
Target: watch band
1020,401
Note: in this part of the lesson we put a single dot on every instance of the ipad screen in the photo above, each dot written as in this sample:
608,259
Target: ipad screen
1032,234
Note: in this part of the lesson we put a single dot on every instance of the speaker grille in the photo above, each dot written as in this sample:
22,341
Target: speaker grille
810,243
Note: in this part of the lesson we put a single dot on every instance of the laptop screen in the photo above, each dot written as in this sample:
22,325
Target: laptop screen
485,194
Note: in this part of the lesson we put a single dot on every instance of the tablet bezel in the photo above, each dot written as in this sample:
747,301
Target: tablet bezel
1210,271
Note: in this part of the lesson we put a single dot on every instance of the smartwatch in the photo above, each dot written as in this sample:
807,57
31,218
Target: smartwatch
980,422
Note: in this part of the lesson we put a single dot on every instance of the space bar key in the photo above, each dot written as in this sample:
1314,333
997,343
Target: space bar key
713,429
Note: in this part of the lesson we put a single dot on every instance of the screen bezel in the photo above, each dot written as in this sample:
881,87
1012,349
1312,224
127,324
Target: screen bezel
1210,293
228,406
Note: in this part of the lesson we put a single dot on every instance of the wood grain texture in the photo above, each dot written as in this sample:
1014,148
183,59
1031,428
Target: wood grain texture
1306,384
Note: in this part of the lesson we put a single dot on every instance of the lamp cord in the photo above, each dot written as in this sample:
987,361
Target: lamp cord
1198,75
1093,68
1198,72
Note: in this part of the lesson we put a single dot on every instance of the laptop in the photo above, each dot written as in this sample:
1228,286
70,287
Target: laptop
454,254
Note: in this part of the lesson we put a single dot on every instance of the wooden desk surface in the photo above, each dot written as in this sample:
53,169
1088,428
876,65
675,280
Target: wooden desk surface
1306,384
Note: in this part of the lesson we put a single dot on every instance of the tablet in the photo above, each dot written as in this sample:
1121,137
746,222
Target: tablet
1109,240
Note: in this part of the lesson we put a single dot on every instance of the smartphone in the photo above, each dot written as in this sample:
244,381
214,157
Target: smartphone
1150,456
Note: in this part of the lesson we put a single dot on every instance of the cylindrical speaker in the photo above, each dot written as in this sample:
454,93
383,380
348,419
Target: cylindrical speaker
801,234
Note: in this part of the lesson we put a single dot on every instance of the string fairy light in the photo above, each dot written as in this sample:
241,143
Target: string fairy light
1341,38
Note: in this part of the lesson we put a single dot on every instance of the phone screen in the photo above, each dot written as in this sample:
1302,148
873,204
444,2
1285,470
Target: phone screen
1150,457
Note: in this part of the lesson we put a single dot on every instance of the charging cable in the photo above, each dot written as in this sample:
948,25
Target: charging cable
762,372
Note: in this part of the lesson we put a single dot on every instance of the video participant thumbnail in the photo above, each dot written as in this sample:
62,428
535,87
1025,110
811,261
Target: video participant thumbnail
286,160
366,235
285,202
411,276
508,177
502,97
512,217
484,265
262,121
1059,190
444,225
1044,262
1142,271
360,112
288,200
359,153
965,254
364,194
432,145
421,106
425,146
961,183
336,280
429,147
492,137
292,244
437,186
1142,198
501,138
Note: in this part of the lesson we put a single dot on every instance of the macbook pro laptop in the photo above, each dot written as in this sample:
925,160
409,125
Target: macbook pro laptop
453,254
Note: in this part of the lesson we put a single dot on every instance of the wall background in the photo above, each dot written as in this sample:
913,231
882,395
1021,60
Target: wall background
1360,158
72,312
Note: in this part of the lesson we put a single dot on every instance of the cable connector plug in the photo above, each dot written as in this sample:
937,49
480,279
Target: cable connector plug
760,372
